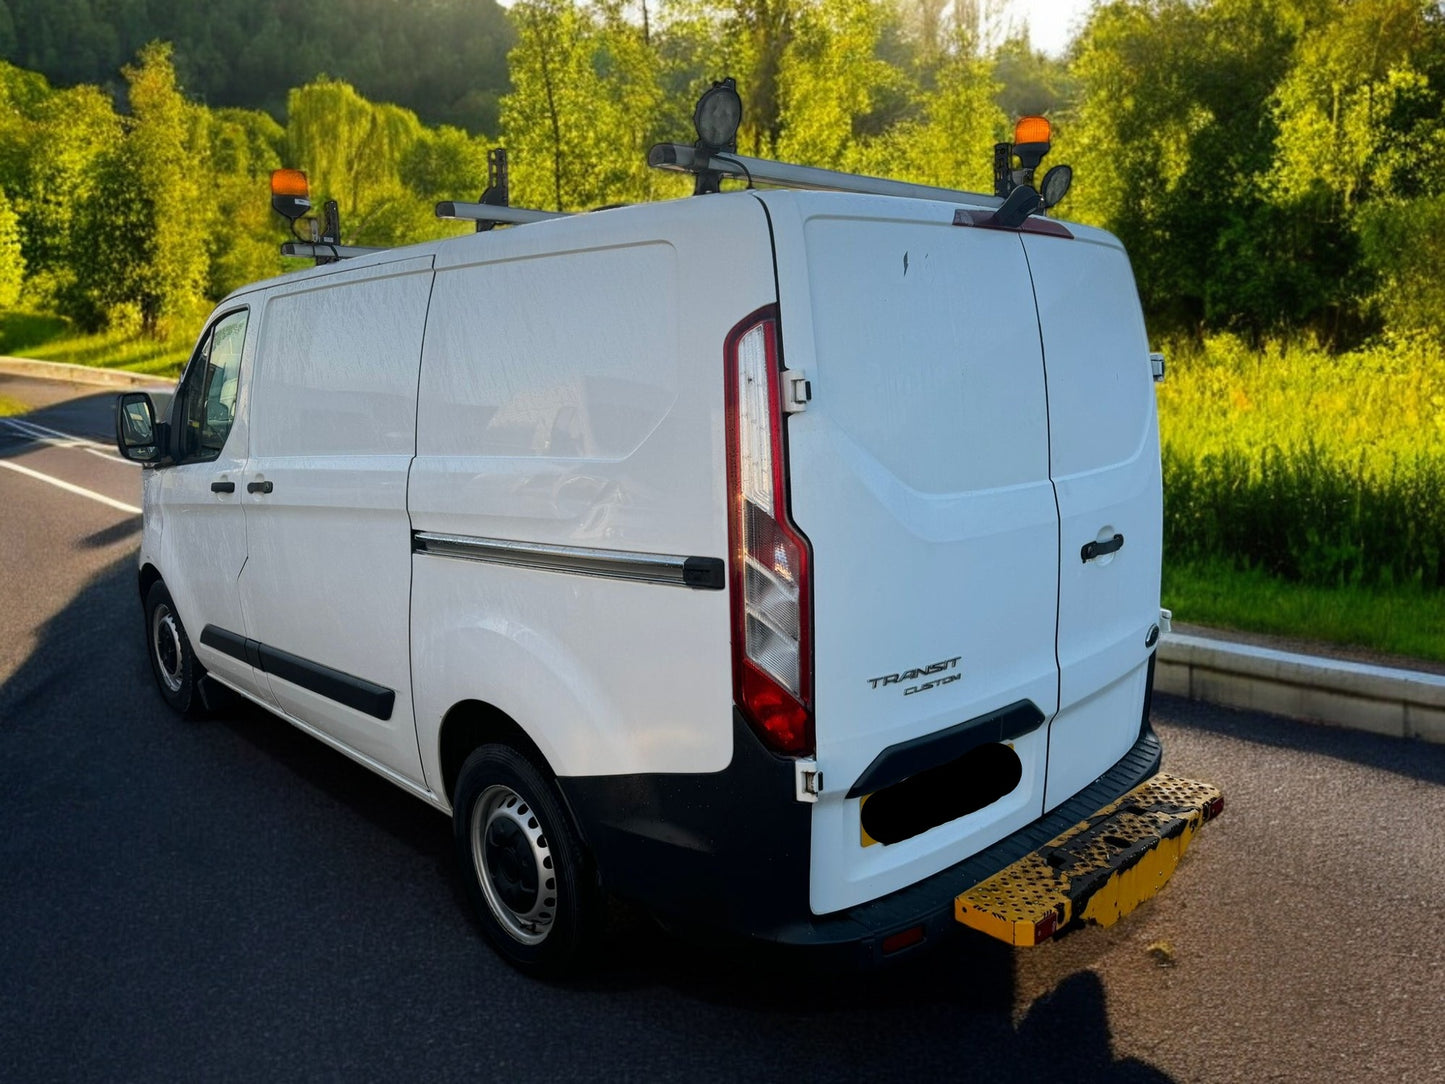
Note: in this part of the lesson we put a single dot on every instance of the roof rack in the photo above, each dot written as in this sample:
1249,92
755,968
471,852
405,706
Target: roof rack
495,213
321,250
682,158
1015,204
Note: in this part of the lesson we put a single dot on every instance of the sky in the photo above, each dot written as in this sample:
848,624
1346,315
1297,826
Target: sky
1051,23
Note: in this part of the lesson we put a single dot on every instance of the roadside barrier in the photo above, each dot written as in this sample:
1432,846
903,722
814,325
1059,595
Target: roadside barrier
80,374
1378,699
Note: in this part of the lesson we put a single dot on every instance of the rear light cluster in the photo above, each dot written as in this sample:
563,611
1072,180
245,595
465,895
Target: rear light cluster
768,560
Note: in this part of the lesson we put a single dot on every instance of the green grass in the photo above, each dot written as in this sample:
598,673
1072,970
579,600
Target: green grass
52,338
9,406
1324,470
1402,621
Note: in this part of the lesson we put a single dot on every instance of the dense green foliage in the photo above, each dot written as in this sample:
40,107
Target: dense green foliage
1400,620
443,59
1272,165
1326,470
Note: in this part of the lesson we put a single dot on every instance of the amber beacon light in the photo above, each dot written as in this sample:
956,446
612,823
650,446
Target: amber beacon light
290,193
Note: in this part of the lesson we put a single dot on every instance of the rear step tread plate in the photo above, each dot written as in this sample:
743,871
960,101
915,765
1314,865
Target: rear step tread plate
1099,870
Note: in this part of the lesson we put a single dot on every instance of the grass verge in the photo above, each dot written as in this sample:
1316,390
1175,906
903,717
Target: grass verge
52,338
10,407
1399,621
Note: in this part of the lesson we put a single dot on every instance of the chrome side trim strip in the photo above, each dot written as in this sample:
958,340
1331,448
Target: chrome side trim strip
701,573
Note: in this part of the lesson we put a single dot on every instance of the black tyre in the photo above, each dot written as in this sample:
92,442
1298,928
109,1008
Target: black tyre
526,871
173,663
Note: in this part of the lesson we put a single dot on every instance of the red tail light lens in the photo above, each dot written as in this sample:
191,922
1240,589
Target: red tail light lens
769,559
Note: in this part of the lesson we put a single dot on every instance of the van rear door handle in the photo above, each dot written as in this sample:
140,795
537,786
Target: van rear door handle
1098,549
258,487
223,487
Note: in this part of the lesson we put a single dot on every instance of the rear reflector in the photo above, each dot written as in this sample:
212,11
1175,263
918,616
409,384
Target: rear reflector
897,942
771,608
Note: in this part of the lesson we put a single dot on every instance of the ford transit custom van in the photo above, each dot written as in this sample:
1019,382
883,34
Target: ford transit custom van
785,561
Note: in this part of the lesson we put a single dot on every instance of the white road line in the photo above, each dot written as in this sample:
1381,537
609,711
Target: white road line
45,430
101,497
36,434
36,429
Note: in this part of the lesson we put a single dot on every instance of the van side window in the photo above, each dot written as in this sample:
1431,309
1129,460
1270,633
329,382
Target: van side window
208,392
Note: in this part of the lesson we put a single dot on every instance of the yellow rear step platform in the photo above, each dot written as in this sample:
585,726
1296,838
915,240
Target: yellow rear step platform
1099,870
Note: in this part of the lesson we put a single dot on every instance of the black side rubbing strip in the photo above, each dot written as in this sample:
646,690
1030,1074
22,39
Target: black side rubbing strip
898,762
227,643
354,692
704,572
365,696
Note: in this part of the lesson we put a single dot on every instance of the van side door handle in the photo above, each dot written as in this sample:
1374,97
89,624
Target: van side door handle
1098,549
223,487
258,487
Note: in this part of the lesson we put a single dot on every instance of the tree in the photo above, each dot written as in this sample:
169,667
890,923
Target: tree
1170,141
353,151
144,258
833,86
12,263
243,147
951,144
555,119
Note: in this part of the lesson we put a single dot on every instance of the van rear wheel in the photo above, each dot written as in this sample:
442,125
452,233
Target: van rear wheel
173,663
525,868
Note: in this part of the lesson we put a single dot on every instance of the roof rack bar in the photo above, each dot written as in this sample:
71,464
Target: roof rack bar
309,251
491,212
682,158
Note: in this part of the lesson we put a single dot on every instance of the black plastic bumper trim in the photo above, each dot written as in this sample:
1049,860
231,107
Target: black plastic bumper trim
898,762
354,692
730,851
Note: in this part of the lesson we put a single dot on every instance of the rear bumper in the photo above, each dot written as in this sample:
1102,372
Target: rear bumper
729,851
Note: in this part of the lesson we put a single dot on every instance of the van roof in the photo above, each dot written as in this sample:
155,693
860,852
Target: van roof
863,205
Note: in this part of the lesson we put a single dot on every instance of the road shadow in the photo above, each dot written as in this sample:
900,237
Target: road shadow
90,415
1408,757
229,898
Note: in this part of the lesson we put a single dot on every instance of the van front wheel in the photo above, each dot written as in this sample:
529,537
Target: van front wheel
524,865
173,663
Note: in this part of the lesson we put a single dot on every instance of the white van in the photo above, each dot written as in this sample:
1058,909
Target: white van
785,561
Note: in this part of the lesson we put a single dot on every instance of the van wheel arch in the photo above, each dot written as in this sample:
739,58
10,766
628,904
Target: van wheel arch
468,726
149,575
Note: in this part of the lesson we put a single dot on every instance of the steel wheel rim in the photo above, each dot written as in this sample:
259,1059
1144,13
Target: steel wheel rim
166,647
514,864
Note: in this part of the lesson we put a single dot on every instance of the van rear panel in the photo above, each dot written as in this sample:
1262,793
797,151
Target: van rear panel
962,444
919,472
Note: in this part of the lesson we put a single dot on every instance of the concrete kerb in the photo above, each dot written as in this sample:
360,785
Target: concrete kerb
1379,699
79,374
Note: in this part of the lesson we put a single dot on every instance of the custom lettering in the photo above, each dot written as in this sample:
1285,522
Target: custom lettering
931,684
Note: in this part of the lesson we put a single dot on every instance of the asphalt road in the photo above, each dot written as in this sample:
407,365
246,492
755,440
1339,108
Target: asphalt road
232,900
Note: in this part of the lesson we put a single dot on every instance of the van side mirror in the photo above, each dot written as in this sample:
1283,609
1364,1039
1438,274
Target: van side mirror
137,436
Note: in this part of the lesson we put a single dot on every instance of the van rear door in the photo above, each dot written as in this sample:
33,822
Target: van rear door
1104,460
919,472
